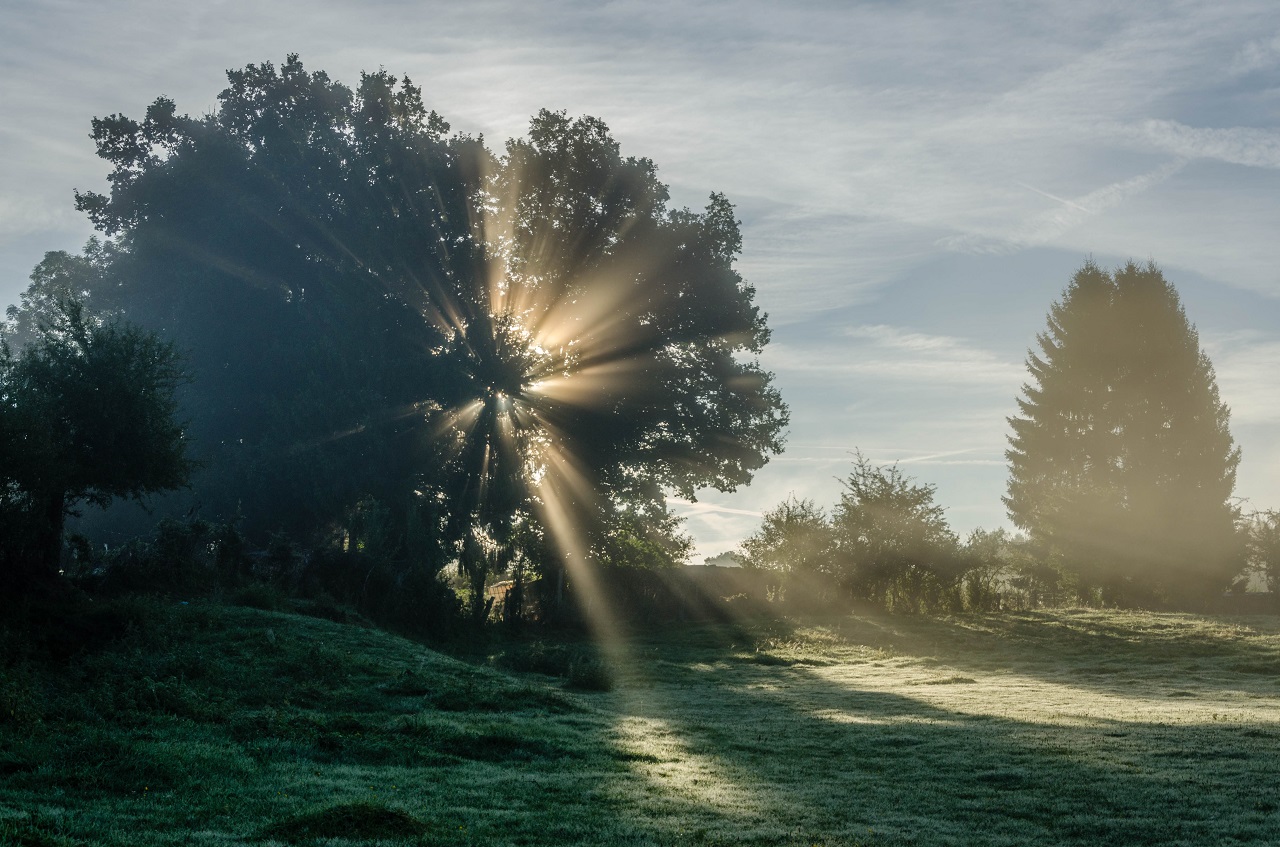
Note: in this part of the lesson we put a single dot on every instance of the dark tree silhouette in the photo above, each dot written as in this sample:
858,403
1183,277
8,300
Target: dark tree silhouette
374,308
87,413
290,242
1121,460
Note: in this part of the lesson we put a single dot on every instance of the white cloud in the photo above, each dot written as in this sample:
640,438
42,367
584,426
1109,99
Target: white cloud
26,215
698,507
1248,146
1257,55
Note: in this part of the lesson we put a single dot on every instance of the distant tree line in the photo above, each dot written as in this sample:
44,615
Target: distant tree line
1122,474
886,543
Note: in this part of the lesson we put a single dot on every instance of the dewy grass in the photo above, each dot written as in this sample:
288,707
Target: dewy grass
211,725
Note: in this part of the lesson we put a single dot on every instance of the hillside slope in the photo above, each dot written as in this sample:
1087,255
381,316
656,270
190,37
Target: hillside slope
205,724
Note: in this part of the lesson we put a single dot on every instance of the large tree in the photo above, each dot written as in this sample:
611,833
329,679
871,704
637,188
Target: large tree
377,308
1121,461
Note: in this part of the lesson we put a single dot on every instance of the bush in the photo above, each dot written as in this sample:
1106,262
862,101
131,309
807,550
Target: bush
402,596
580,666
187,558
590,673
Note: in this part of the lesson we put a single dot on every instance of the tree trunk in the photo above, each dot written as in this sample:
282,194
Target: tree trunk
35,559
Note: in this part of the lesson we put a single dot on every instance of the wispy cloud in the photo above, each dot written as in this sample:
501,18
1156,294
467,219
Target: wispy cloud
1050,226
1248,146
1247,364
888,352
864,144
700,507
1257,55
26,215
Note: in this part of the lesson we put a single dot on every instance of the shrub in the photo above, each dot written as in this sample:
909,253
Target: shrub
403,596
188,558
590,673
1262,532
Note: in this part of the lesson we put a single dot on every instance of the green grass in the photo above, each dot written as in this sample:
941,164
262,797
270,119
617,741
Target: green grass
214,725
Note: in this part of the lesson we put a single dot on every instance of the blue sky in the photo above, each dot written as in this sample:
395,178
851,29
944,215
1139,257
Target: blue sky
916,181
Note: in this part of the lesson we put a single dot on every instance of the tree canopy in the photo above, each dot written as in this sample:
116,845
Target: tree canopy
1121,460
376,308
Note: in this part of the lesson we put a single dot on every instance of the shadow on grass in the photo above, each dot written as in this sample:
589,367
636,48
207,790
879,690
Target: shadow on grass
782,753
218,726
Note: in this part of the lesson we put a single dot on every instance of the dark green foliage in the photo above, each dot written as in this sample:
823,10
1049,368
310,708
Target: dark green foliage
581,666
403,596
1006,571
590,674
291,241
183,558
886,543
59,279
87,414
537,657
1121,461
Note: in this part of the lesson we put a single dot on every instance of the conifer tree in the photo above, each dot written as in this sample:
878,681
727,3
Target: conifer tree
1121,461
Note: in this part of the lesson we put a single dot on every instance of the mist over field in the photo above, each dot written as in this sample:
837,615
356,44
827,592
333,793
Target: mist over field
715,424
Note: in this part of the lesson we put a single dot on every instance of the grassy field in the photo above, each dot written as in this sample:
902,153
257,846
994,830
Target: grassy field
214,725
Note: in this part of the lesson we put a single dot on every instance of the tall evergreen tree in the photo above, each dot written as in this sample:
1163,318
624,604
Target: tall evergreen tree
1121,461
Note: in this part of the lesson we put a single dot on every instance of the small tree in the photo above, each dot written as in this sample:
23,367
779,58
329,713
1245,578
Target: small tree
987,560
1121,461
795,541
86,415
893,545
1262,531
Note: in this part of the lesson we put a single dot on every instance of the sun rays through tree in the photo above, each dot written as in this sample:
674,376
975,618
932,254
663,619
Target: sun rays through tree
528,352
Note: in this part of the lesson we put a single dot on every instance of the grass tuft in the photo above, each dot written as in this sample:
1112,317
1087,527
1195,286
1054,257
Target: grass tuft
33,832
352,821
590,673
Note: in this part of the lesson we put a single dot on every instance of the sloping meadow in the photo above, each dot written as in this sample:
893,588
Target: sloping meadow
204,724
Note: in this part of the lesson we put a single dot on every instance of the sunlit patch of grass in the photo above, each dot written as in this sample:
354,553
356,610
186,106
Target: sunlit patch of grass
211,725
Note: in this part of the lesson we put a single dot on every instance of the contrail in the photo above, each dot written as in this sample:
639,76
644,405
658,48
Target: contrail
1061,200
